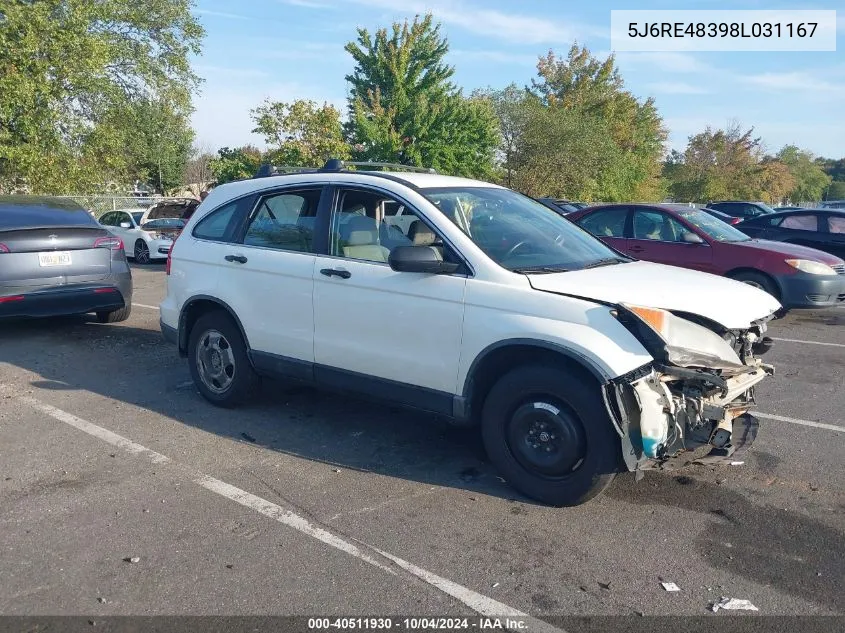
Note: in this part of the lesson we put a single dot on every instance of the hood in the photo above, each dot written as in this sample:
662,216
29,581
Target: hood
793,251
732,304
168,209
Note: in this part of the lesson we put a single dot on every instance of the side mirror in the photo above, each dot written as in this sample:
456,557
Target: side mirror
692,238
125,225
420,259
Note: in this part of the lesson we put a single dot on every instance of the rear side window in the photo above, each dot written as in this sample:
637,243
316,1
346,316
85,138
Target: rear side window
285,222
609,223
836,224
216,225
24,214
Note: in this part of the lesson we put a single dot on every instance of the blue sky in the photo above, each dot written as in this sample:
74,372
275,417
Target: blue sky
290,49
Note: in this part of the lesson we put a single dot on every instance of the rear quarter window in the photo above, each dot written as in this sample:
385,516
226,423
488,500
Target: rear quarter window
219,225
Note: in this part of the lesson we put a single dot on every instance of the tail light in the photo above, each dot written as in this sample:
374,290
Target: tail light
10,299
170,253
4,248
736,220
113,243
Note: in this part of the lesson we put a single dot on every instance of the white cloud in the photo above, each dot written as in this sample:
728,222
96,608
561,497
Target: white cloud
498,57
515,27
221,14
797,82
676,88
670,62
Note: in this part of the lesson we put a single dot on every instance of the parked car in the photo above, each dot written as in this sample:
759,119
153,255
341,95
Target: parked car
149,234
56,260
559,206
724,217
833,204
788,208
823,229
740,209
485,308
797,276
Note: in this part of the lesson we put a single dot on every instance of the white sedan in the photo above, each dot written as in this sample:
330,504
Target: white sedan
148,234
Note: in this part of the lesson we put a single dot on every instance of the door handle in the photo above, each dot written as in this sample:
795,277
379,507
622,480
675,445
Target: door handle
336,272
636,249
235,258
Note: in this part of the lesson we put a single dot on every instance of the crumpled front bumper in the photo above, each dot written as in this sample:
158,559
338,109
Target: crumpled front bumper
666,414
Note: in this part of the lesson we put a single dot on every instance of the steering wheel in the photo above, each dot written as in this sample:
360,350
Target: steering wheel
515,248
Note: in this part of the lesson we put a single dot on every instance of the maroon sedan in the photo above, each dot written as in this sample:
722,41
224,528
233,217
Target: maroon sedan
799,277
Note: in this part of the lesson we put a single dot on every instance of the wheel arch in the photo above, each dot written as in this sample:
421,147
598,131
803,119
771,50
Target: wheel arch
197,306
496,359
757,271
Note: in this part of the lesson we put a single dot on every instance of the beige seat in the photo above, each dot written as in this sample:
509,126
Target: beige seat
359,240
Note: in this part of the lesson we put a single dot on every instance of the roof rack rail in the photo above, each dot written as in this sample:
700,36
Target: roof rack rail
335,165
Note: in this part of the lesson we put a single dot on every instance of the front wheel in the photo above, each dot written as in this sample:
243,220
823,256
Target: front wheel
549,434
217,356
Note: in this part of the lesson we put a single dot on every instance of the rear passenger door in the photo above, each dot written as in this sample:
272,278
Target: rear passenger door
267,277
835,235
804,229
391,334
658,237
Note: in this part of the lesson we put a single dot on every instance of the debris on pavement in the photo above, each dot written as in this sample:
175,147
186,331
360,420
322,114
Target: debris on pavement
733,604
101,600
604,585
335,470
670,586
737,463
248,437
132,559
495,584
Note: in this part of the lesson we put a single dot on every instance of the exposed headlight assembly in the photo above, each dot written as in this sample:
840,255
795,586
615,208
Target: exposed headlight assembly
677,341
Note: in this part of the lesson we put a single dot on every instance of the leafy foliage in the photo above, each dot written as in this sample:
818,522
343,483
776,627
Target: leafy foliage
809,179
300,133
68,66
236,164
403,107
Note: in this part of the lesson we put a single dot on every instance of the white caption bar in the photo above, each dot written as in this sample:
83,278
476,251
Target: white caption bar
676,30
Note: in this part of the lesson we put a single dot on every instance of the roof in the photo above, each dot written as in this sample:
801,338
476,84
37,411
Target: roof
50,202
384,179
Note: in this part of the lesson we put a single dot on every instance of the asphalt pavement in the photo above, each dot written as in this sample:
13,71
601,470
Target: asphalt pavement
310,503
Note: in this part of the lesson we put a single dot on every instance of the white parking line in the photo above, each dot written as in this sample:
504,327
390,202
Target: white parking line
795,340
817,425
479,603
141,305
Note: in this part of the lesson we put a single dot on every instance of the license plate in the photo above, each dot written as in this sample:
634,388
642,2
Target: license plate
58,258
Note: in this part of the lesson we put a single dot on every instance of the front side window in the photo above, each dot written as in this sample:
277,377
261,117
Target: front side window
517,232
285,221
657,226
803,222
368,225
606,223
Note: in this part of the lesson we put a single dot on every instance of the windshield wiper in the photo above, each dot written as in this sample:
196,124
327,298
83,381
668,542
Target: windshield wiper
607,261
535,270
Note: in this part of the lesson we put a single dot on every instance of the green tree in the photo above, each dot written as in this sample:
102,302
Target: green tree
403,107
300,133
236,164
810,180
585,86
776,181
67,65
717,165
836,190
833,168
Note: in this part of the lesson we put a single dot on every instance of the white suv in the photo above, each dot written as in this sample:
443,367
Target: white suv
471,301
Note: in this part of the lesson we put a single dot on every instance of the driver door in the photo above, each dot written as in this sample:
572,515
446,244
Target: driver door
386,333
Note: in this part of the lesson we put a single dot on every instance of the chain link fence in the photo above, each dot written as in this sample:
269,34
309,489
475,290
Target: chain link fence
100,204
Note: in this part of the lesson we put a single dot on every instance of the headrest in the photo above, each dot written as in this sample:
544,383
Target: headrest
359,231
420,234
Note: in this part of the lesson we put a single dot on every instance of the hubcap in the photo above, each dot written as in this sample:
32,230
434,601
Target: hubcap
753,284
546,439
215,361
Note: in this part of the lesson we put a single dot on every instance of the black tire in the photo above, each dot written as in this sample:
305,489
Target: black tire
232,387
141,253
589,450
758,280
115,316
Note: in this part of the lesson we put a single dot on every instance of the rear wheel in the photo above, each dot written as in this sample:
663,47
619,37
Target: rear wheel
548,432
115,316
141,252
218,360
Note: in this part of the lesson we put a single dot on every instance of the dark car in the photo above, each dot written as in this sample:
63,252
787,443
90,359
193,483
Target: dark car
740,209
789,208
823,229
563,207
55,259
724,217
799,277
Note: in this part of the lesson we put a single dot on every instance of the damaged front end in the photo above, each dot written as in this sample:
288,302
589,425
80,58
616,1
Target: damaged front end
692,403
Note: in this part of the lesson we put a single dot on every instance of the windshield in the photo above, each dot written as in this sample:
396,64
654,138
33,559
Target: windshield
137,215
519,233
712,226
164,223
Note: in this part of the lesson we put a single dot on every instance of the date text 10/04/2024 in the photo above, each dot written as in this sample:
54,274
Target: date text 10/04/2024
418,624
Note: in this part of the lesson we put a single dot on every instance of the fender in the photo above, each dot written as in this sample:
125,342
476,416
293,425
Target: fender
183,326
